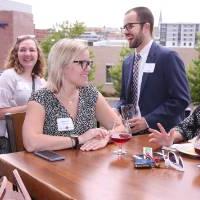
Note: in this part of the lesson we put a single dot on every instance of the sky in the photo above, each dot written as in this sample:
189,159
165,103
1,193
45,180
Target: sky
109,13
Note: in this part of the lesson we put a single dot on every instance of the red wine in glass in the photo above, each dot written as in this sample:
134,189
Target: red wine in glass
120,138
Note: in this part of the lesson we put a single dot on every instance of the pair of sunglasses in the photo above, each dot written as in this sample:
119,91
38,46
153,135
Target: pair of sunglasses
23,37
173,161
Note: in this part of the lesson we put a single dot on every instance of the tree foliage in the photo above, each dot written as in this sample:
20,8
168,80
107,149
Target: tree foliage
59,31
194,76
65,30
116,70
93,68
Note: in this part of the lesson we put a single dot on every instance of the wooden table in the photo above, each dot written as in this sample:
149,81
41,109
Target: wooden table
101,175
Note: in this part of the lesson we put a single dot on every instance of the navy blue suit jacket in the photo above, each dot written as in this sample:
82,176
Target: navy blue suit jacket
164,94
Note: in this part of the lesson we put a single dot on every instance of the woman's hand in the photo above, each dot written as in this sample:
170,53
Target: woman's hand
98,133
162,138
96,143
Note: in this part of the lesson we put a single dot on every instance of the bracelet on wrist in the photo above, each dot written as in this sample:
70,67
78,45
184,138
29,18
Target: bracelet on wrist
75,141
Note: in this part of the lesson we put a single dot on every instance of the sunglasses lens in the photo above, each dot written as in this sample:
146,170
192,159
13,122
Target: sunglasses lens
21,37
172,157
175,162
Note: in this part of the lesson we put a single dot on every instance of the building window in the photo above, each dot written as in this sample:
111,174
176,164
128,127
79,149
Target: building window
184,44
190,44
108,77
173,44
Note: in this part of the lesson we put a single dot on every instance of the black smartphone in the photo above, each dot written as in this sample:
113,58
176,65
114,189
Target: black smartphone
49,155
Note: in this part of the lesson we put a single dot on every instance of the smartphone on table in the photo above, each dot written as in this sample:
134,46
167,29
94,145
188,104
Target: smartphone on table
49,155
141,162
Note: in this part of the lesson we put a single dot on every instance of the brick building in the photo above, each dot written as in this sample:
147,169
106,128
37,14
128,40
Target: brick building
41,34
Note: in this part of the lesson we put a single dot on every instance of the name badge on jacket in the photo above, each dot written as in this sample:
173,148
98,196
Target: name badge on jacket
149,67
65,124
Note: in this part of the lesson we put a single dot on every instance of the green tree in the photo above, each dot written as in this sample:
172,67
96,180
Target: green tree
116,70
194,76
65,30
59,31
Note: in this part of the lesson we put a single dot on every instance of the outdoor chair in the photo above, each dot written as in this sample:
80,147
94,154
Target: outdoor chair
14,124
6,191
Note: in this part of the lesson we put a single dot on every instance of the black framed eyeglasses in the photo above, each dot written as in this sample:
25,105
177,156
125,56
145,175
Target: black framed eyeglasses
129,26
84,63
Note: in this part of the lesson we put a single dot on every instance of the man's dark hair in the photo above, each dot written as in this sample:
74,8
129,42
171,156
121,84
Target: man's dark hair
144,14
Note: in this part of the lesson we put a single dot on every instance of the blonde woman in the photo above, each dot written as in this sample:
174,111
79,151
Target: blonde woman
23,75
69,105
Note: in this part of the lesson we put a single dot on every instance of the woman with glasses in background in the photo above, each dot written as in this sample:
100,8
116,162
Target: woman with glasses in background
23,74
64,114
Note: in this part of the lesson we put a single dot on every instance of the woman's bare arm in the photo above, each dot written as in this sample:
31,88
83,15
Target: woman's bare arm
33,136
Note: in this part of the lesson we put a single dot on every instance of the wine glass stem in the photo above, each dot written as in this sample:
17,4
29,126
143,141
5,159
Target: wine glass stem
120,147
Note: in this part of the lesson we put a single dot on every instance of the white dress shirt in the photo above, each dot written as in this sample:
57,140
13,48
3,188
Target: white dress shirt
144,54
15,91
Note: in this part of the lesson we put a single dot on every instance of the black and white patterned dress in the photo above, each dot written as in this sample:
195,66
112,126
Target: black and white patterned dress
86,115
190,126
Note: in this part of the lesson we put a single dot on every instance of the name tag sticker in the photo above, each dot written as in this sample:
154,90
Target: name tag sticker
149,67
65,124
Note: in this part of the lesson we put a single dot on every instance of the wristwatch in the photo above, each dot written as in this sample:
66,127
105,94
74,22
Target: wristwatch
76,141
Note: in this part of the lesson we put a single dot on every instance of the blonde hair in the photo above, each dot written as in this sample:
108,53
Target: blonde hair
61,55
13,61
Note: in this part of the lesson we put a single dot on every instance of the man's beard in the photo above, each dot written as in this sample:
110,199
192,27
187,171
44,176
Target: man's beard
137,41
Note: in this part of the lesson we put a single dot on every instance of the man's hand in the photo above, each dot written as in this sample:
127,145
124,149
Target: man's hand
137,124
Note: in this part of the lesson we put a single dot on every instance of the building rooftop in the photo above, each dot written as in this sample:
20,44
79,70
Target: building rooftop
7,5
122,43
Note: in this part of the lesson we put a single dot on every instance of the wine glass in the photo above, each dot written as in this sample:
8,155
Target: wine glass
119,138
128,111
197,144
